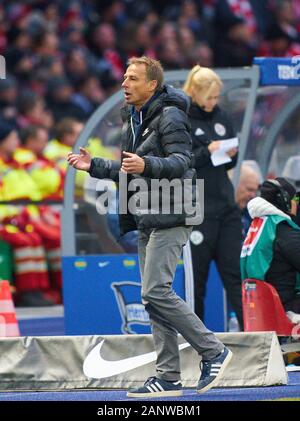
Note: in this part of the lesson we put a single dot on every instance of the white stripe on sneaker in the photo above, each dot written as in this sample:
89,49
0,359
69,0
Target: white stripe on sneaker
159,386
154,388
221,370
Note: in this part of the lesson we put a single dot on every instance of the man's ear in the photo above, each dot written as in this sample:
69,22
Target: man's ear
152,85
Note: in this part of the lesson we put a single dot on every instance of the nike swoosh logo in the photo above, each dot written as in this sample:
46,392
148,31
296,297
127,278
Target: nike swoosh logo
103,264
96,367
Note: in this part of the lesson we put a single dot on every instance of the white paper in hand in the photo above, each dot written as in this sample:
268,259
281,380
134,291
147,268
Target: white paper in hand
220,156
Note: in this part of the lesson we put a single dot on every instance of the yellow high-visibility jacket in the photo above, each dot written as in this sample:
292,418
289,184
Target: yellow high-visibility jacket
45,173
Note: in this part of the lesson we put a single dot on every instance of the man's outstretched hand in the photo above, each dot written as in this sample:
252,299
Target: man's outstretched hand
81,161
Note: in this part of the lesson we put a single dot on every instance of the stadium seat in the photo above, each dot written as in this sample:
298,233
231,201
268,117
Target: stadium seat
262,309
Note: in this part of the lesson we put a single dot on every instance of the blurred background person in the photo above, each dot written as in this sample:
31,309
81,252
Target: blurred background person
272,247
246,190
219,237
49,179
8,99
240,26
32,110
66,132
31,277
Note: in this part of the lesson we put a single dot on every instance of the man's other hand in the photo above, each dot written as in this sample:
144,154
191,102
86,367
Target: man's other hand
132,163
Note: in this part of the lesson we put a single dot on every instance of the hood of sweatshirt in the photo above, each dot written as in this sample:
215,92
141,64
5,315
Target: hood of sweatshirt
259,207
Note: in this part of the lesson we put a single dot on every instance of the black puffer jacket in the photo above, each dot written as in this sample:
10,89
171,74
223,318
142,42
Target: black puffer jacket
218,189
165,144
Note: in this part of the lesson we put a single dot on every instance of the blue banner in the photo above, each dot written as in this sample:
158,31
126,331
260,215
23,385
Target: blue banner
102,294
279,71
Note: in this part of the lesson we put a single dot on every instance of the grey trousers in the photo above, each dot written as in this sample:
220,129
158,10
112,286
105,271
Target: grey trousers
159,251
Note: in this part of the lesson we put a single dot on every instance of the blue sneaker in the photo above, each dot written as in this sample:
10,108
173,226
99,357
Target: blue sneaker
212,370
154,388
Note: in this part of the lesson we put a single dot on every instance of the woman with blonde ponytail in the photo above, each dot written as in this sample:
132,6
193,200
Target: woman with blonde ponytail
219,237
203,85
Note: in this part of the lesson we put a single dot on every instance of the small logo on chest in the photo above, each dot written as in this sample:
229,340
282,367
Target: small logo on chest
199,132
220,129
145,131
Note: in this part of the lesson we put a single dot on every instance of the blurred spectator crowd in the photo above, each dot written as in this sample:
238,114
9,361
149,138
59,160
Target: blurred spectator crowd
64,58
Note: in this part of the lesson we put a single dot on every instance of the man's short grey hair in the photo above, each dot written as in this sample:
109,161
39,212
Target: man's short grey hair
154,69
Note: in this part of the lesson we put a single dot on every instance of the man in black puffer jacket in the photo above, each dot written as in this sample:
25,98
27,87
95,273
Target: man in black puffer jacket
157,145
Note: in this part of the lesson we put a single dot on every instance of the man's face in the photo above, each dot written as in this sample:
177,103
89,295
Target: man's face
246,191
39,142
69,139
10,143
137,89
